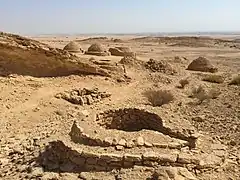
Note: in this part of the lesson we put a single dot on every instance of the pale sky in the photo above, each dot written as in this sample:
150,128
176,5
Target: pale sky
118,16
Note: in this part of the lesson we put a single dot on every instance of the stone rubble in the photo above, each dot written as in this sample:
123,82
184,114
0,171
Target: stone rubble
83,96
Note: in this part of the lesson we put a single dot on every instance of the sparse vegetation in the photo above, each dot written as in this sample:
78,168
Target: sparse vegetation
202,94
235,80
159,97
183,83
213,78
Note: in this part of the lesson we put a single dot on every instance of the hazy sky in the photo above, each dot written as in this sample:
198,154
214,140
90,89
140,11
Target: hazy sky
118,16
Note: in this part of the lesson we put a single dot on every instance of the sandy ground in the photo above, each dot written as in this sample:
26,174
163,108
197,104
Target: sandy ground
28,108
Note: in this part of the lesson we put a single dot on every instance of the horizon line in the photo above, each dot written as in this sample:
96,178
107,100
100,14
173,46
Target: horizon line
146,33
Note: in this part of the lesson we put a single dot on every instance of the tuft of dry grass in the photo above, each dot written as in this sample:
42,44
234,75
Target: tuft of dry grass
202,94
213,78
183,83
235,80
159,97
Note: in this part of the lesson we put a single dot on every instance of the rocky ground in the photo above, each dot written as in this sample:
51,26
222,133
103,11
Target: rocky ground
35,137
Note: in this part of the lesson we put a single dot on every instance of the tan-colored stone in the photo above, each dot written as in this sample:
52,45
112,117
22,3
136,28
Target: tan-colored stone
115,141
111,157
174,145
171,158
147,144
210,161
108,141
84,135
122,142
173,173
150,156
87,154
185,158
132,157
130,144
150,163
159,145
218,147
140,141
119,148
186,174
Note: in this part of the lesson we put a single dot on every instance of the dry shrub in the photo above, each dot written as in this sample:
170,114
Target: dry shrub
183,83
235,80
214,78
202,94
159,97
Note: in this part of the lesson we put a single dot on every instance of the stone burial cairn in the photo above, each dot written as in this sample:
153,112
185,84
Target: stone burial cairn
97,49
73,47
202,64
83,96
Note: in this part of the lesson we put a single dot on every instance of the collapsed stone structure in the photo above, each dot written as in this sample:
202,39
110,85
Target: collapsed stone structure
160,66
83,96
202,64
122,51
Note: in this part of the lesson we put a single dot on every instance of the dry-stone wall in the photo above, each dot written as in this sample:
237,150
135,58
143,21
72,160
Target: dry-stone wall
79,159
79,136
133,119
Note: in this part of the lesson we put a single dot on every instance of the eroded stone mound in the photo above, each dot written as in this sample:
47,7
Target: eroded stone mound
160,66
109,65
202,64
122,51
131,62
19,55
97,50
83,96
73,47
